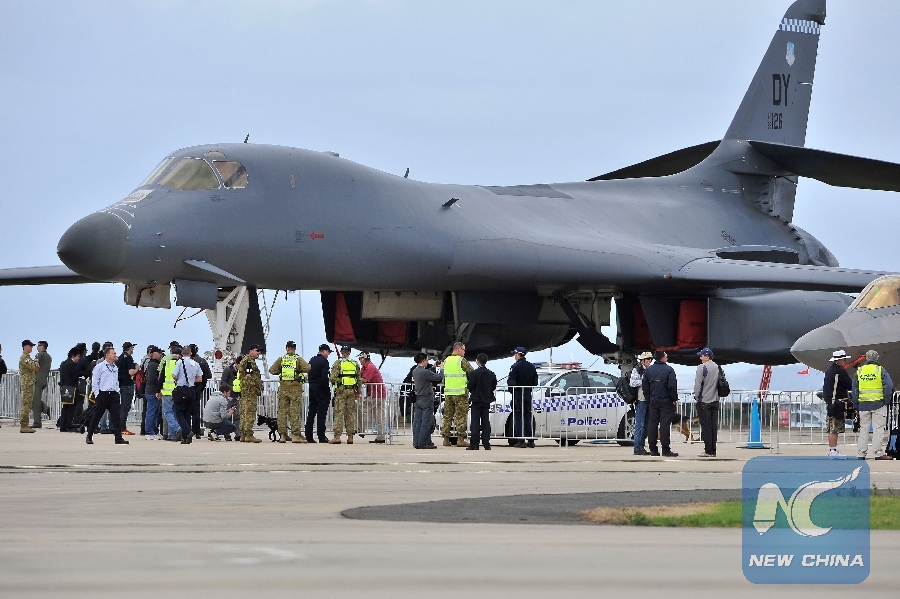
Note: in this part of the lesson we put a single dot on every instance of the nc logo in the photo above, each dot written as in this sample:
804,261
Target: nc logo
797,508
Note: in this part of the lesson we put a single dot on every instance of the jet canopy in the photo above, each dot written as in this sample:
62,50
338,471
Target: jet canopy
190,173
883,292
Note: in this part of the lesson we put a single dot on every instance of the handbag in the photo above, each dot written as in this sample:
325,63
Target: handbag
182,393
67,395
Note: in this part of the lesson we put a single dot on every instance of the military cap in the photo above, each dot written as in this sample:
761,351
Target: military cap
345,349
27,342
254,346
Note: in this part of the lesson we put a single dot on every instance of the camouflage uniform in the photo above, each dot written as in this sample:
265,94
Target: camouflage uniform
344,400
251,387
456,407
290,399
27,371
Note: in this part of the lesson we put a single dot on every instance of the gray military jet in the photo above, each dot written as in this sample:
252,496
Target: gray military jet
695,247
871,322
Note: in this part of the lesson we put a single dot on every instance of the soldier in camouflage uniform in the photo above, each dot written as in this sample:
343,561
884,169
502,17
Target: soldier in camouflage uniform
28,368
345,377
291,370
456,397
251,387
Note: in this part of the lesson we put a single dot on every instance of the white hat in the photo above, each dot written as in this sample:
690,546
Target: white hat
838,355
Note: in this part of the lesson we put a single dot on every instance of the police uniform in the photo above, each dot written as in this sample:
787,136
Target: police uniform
250,382
27,371
291,370
345,377
456,399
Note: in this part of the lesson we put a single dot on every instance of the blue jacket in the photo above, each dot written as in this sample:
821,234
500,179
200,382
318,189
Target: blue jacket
522,374
659,384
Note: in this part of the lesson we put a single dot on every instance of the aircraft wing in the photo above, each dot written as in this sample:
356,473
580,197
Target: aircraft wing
41,275
766,275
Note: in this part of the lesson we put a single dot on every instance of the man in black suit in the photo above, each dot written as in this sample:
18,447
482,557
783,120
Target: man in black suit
482,383
319,395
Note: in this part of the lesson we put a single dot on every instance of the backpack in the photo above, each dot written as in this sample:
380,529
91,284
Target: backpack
628,393
722,387
140,381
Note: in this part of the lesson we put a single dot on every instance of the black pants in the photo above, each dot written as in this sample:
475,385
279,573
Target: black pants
522,418
709,425
318,411
182,411
196,416
66,414
481,425
106,400
661,414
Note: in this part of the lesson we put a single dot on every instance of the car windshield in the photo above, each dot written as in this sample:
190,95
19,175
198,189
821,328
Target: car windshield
881,293
543,379
234,175
157,171
189,174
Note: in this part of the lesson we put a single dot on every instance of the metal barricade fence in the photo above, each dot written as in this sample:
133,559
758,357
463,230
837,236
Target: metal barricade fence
566,416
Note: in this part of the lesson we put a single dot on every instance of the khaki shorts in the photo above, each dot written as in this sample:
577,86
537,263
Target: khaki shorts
835,425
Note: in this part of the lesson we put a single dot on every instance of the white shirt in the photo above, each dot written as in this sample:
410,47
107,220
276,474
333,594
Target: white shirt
105,377
191,368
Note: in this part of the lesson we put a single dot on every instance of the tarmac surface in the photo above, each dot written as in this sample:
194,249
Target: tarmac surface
224,519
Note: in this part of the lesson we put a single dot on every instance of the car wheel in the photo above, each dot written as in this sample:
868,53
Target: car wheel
625,435
567,442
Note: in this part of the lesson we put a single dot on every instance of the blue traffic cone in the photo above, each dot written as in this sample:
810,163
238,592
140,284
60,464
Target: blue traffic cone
754,439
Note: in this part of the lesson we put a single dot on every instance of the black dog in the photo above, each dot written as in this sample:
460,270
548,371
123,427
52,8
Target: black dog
272,423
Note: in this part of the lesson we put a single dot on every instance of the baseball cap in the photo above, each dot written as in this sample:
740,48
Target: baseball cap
838,355
520,350
127,345
363,355
645,356
290,344
174,344
324,347
27,342
705,352
153,349
176,350
345,349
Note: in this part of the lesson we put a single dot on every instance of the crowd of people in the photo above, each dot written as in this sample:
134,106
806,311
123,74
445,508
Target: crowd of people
172,384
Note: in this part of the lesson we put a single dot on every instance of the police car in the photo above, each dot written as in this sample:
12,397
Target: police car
569,404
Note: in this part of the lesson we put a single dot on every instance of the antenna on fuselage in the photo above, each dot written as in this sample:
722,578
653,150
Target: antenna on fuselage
246,138
406,175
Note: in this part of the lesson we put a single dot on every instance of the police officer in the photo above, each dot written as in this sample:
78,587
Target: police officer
345,377
291,370
28,368
319,394
522,378
250,382
456,397
872,389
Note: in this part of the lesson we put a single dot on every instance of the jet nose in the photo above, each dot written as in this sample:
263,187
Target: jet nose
97,246
815,348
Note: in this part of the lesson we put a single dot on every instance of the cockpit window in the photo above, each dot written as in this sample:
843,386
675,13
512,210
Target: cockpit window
157,171
881,293
191,173
234,175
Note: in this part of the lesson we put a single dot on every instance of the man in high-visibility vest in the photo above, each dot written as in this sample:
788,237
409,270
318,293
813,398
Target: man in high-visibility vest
456,395
872,389
291,370
166,385
344,376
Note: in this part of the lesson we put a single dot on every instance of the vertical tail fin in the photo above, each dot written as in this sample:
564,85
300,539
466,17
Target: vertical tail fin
776,105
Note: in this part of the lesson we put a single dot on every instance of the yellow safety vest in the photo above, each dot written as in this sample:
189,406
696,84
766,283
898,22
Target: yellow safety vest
348,373
289,368
454,376
168,369
871,388
236,385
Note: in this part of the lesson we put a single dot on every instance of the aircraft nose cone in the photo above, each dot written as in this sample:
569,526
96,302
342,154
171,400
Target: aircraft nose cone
97,246
815,348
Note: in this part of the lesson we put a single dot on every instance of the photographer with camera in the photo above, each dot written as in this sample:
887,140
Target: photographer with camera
836,392
872,389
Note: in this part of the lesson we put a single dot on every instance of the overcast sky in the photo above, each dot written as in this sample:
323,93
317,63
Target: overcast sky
94,94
